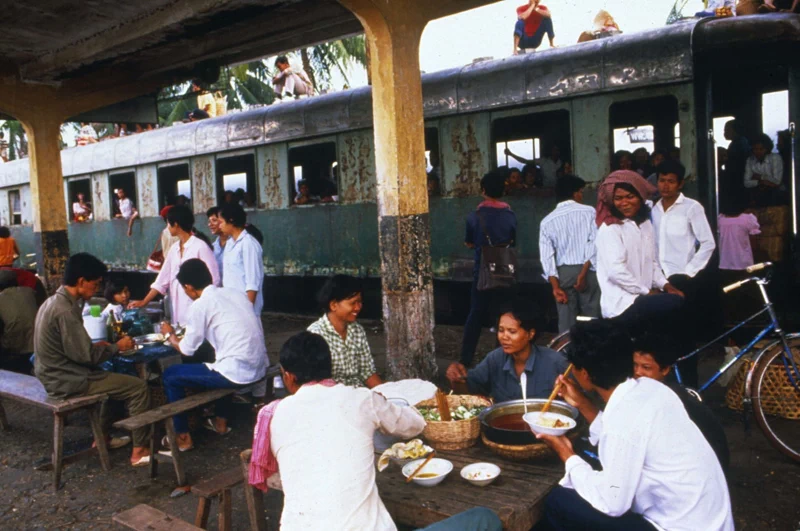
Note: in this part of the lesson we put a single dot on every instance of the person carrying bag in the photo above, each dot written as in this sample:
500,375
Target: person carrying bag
498,263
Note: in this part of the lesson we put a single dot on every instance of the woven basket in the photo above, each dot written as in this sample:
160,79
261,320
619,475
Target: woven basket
456,434
782,399
519,452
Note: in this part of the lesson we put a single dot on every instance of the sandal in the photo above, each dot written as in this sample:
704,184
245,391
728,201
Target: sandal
209,425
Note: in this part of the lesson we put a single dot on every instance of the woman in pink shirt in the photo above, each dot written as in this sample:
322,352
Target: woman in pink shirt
180,222
735,254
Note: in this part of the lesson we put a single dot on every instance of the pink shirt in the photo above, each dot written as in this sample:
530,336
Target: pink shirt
734,241
167,279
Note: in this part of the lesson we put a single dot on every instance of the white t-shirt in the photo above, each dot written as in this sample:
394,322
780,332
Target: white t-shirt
126,208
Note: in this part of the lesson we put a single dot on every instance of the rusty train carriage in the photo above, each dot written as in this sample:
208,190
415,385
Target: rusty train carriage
673,75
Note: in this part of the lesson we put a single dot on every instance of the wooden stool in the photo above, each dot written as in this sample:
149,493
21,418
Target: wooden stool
218,486
146,518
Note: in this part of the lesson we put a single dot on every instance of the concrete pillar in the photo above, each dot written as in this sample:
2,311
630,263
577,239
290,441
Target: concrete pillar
393,32
47,194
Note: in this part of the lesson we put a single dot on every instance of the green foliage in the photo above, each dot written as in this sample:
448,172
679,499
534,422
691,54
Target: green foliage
17,141
676,13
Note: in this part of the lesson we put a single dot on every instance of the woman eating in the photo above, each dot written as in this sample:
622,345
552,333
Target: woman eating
633,286
340,300
498,375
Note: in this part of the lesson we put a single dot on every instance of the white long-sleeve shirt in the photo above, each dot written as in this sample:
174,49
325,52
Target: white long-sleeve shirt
243,267
566,237
683,236
771,170
627,266
322,438
223,317
656,463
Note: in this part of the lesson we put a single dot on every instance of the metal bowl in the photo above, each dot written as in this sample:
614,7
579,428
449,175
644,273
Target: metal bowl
522,437
149,339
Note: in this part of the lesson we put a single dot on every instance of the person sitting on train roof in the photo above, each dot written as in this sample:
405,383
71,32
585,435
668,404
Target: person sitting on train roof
126,209
341,301
498,374
67,362
243,262
622,160
81,210
17,316
549,166
653,357
288,82
658,472
534,20
763,172
224,318
181,224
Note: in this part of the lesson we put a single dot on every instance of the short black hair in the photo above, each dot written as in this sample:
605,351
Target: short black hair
213,211
735,125
338,288
525,311
672,166
308,357
662,347
764,140
5,232
253,231
234,214
567,186
199,114
604,349
494,183
8,279
194,272
281,59
618,157
112,288
182,216
85,266
644,212
733,204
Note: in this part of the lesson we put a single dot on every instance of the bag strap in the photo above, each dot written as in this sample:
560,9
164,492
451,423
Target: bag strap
483,228
158,244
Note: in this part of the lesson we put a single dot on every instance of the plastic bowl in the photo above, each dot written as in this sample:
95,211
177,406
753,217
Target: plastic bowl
488,473
440,467
533,417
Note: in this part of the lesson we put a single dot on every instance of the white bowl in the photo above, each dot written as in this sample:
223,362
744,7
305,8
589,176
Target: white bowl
487,473
532,419
440,467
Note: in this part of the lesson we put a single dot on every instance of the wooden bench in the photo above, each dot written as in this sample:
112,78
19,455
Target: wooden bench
255,498
218,486
146,518
164,414
29,390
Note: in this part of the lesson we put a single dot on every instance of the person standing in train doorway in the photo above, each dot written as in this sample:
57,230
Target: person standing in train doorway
533,22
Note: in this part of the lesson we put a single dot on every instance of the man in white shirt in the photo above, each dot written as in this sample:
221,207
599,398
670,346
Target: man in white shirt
322,438
224,318
566,249
685,245
219,244
763,172
658,471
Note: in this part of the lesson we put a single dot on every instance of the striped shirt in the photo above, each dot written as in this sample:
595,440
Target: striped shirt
566,237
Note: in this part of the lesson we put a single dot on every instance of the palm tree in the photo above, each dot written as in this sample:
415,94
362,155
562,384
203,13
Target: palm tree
676,13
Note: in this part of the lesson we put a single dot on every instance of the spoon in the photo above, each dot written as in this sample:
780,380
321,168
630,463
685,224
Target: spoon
523,381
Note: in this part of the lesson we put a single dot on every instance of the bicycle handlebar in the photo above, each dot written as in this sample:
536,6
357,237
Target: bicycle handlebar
735,285
758,267
751,269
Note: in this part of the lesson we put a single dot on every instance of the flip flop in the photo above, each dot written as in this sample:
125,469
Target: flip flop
209,425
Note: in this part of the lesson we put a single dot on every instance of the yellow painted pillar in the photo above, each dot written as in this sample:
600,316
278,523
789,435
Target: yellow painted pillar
393,31
47,195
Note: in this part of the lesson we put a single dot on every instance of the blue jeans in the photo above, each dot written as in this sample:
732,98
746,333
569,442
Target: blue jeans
477,519
195,376
565,510
535,40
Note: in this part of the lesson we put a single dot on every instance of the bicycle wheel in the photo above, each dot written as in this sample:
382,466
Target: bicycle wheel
776,400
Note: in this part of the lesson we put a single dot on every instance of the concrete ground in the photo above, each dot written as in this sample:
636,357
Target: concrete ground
764,485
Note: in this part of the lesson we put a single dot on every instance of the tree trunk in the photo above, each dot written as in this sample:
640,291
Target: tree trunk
368,54
307,67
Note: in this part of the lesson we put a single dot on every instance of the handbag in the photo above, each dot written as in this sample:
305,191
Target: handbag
156,259
498,263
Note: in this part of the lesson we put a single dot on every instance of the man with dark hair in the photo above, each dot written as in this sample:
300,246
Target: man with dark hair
566,249
17,316
658,471
224,317
534,21
288,83
738,152
67,362
685,245
493,221
321,437
219,244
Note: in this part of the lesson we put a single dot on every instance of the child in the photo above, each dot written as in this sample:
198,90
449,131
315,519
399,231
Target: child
735,229
126,209
118,297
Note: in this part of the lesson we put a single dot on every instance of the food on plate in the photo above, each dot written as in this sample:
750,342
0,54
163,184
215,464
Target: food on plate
413,449
549,422
459,413
480,474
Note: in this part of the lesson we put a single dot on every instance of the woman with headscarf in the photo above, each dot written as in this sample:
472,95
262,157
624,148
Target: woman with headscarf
633,286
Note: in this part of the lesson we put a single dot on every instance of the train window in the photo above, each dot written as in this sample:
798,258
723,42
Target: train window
14,207
315,169
775,113
543,138
236,180
643,126
78,211
174,185
433,166
121,181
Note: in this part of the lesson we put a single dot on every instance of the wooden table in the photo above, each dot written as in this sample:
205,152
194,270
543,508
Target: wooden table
517,496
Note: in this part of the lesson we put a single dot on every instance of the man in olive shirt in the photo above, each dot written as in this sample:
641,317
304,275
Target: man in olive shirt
66,359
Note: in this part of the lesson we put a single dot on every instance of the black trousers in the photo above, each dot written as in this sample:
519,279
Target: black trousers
565,510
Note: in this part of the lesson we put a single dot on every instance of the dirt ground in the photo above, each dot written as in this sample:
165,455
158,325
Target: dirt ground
765,487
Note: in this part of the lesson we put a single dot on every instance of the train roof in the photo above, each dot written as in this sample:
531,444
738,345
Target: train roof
660,56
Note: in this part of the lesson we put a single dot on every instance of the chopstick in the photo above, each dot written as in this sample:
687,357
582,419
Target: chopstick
556,388
443,405
420,467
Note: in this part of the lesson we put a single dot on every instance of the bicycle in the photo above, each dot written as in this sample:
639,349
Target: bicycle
770,392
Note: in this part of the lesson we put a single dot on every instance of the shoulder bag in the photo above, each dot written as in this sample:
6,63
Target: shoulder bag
498,267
